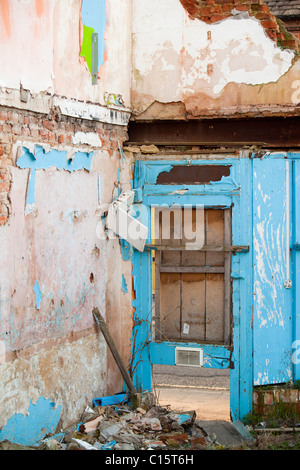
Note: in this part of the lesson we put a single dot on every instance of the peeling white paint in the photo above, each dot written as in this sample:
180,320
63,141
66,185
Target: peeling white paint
89,138
91,112
27,53
172,53
2,352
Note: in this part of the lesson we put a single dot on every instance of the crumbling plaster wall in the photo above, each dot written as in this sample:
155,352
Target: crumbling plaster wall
60,167
56,266
213,65
40,45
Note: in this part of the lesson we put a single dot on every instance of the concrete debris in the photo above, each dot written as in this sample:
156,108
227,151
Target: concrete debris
132,149
149,149
108,429
119,426
122,428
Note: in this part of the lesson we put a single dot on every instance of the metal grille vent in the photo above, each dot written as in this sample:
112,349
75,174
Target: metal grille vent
189,357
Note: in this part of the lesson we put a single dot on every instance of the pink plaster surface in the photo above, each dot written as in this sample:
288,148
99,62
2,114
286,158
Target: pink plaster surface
55,246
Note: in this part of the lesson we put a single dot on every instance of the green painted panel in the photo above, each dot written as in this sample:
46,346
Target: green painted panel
86,48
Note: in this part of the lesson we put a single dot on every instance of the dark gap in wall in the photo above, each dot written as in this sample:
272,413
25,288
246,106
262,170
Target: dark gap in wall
196,174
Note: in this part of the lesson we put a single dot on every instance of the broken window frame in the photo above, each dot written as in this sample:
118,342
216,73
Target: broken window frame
227,249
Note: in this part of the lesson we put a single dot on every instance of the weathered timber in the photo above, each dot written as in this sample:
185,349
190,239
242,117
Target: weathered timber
110,342
172,247
267,132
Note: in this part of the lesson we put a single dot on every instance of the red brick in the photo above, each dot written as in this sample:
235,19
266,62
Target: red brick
70,127
4,187
4,174
48,125
6,128
34,133
264,8
13,117
3,115
289,43
211,11
25,131
271,33
269,24
228,8
3,219
16,129
217,17
3,210
33,120
262,16
5,138
4,162
268,398
205,11
61,138
245,7
44,134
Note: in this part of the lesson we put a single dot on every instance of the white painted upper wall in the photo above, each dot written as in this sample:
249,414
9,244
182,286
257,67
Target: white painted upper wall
26,45
153,52
40,43
175,57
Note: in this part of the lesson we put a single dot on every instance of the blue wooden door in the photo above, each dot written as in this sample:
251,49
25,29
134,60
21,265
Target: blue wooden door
296,263
226,194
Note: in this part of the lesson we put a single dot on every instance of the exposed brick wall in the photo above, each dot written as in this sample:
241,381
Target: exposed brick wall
266,400
56,130
212,11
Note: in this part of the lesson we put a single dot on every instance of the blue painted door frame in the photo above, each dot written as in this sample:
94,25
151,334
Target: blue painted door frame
272,268
264,194
234,191
276,268
296,263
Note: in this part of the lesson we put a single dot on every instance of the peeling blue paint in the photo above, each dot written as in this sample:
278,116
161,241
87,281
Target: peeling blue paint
150,173
126,250
30,203
272,364
296,261
41,160
93,14
214,357
38,294
40,420
264,196
124,285
226,194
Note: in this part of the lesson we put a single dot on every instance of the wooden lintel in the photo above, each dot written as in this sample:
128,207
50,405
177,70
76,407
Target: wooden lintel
189,247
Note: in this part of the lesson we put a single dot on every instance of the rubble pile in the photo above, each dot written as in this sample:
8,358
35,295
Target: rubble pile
118,427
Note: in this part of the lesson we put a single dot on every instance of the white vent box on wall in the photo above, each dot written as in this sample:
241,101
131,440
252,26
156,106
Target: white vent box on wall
189,357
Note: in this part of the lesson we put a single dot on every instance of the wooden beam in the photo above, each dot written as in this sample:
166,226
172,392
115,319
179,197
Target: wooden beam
227,278
279,131
192,269
235,249
100,320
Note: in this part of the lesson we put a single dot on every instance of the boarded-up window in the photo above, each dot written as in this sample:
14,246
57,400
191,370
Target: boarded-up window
193,287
